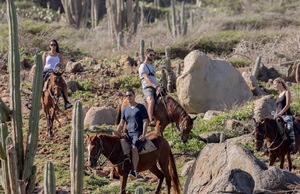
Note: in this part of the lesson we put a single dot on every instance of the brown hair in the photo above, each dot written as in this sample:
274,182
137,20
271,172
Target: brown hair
148,50
280,80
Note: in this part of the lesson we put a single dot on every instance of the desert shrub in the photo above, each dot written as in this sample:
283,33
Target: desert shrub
129,81
245,24
86,85
30,10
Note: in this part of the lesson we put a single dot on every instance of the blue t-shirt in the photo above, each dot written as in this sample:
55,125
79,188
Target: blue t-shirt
134,118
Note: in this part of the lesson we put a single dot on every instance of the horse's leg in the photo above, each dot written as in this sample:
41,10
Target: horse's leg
281,161
164,165
159,175
272,159
52,115
123,181
288,157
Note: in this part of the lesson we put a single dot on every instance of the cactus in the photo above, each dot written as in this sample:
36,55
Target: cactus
12,166
14,67
49,178
120,40
174,25
178,69
4,173
183,24
142,50
168,58
20,168
139,190
164,78
77,150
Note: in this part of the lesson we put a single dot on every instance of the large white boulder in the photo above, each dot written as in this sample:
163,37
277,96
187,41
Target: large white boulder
208,84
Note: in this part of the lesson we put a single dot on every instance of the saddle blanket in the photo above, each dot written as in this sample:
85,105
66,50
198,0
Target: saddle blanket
147,147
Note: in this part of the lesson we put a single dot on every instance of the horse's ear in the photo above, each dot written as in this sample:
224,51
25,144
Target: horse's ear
194,118
88,136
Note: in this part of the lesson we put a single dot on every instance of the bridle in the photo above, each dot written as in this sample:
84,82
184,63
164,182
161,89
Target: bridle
273,142
101,149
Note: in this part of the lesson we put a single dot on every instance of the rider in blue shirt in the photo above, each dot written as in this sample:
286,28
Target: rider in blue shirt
136,118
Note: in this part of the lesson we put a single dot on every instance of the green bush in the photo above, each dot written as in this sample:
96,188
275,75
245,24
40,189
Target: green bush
129,81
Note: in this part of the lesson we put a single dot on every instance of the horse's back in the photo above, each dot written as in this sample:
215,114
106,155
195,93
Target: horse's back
158,141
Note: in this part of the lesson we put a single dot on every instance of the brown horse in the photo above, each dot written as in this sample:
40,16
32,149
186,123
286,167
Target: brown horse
277,146
50,99
110,147
166,111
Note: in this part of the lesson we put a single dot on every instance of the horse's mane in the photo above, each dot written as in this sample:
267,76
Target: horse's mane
109,138
175,106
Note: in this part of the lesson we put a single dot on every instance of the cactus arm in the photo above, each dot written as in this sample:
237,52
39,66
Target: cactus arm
33,133
14,67
49,178
4,173
77,150
12,165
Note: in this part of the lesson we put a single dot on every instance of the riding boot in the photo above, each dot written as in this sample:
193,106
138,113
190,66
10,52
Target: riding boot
293,148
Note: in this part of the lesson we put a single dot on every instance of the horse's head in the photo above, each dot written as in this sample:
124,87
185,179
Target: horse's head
95,148
56,84
185,127
259,134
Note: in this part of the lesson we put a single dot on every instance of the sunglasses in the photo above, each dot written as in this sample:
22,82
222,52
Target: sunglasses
128,95
151,55
52,44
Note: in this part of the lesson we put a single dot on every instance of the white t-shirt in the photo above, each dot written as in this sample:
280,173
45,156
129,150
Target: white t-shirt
150,71
51,61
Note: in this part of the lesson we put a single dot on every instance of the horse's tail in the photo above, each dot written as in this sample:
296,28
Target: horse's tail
174,175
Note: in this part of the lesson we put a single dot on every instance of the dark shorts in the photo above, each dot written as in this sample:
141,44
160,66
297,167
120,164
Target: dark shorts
133,140
149,91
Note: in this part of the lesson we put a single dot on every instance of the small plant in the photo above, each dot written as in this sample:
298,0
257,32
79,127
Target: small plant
129,81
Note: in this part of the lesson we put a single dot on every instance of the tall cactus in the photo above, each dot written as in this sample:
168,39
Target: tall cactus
49,178
168,58
24,172
14,80
142,49
77,150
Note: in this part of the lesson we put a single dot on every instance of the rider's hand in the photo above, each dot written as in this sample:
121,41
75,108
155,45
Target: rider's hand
117,134
159,89
142,138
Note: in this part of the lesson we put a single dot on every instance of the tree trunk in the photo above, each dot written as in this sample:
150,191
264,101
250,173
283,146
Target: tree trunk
76,12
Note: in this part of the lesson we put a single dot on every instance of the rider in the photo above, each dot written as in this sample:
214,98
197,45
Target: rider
50,59
136,118
149,83
283,110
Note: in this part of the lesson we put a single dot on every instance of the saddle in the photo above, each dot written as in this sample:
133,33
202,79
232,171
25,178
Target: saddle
147,147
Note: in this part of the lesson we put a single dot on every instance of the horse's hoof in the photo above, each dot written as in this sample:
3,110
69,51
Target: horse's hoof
51,134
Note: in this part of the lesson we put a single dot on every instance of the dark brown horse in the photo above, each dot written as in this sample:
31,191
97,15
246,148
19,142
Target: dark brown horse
50,99
166,111
110,147
277,146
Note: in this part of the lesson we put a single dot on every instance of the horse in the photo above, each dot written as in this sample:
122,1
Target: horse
277,146
110,147
50,99
167,110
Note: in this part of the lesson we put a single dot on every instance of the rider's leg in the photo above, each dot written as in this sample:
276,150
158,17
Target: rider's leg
290,130
135,157
65,95
150,101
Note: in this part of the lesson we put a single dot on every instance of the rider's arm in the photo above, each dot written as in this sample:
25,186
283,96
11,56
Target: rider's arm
61,58
145,126
119,128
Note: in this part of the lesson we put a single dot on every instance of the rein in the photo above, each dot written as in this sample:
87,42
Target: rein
275,140
107,158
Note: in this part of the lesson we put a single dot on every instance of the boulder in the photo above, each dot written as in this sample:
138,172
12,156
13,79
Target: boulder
100,116
263,107
208,84
229,168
